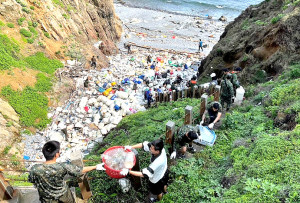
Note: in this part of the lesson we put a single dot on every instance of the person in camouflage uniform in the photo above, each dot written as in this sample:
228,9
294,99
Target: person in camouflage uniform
50,178
212,114
226,91
186,134
234,79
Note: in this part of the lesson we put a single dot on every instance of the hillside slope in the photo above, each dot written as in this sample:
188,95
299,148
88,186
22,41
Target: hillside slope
64,26
264,40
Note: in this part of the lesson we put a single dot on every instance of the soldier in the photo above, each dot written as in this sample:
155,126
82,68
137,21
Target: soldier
214,112
49,177
226,91
93,62
186,134
234,79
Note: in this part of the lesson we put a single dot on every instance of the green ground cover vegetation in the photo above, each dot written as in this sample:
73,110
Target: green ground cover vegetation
31,103
253,159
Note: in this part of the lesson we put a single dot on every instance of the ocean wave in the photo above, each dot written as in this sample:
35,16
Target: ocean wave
209,5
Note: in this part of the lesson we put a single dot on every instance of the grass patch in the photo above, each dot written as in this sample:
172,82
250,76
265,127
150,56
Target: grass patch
277,18
25,32
33,30
47,34
9,53
43,83
59,3
31,105
66,16
10,25
42,63
26,10
21,20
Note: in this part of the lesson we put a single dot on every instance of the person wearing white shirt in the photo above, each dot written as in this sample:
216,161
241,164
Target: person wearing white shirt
157,171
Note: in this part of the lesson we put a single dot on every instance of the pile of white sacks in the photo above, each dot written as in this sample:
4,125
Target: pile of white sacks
88,115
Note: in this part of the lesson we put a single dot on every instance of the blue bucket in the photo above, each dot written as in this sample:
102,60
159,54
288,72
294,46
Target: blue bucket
117,108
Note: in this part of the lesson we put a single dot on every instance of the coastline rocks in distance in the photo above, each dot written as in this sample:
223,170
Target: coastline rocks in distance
223,19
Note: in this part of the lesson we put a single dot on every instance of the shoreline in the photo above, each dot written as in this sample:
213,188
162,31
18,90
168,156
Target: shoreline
160,10
163,30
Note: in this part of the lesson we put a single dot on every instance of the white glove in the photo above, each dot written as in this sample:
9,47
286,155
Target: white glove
211,125
173,155
200,137
100,167
127,147
201,123
124,171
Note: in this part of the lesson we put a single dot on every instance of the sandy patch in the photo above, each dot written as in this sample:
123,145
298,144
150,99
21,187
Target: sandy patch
17,78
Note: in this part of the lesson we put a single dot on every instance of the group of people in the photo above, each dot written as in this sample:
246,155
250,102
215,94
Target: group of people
229,84
50,177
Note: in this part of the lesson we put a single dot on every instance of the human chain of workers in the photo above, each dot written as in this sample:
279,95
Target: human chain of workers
49,177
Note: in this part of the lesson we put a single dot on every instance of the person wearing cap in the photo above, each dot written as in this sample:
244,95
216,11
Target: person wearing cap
212,114
157,172
225,72
213,79
185,135
227,91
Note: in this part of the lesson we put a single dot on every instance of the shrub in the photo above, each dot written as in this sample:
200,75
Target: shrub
25,32
32,7
9,51
2,23
41,45
6,150
47,34
10,25
42,63
295,71
29,104
35,24
66,16
30,40
25,10
33,30
276,19
259,22
21,20
43,83
59,3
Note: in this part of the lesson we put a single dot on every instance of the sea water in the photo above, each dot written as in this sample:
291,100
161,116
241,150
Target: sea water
202,8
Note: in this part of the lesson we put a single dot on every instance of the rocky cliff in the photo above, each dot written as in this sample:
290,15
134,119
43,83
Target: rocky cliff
263,40
65,28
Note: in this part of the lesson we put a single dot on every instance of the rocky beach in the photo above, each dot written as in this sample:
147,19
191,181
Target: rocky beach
103,97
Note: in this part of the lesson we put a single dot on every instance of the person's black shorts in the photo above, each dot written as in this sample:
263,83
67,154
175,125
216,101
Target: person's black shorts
183,141
158,188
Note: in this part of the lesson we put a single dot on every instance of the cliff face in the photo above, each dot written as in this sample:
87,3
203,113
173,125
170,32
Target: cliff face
75,24
263,40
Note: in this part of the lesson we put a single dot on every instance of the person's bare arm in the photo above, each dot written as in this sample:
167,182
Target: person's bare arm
88,169
136,173
203,117
218,118
137,146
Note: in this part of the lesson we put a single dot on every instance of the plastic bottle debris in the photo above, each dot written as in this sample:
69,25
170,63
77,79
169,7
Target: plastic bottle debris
118,159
